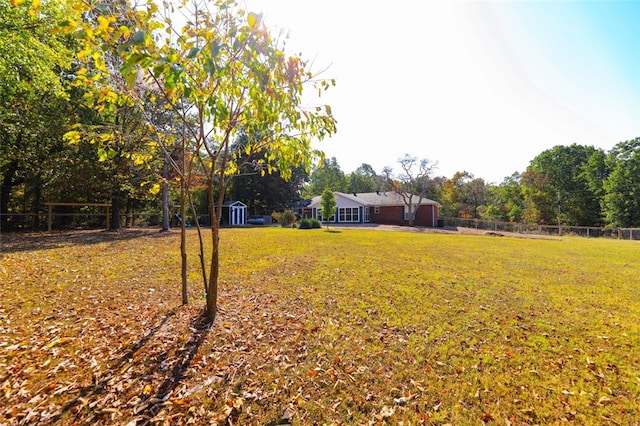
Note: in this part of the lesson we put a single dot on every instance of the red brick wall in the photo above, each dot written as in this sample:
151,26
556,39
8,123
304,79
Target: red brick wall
394,215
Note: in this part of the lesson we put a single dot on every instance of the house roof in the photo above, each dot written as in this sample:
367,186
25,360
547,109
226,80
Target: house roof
372,199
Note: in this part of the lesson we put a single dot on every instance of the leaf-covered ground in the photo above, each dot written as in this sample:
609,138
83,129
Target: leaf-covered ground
316,327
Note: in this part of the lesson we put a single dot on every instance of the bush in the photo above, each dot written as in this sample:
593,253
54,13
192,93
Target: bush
287,219
304,224
315,223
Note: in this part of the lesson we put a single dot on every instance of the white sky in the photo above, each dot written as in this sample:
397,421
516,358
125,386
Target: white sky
477,86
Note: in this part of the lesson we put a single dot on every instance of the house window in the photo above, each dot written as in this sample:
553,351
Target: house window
406,214
376,210
348,214
367,214
317,213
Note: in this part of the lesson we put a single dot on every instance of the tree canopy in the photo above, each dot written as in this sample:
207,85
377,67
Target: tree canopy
223,74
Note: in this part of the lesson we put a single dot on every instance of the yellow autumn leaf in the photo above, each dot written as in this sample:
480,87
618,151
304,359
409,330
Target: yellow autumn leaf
103,23
155,188
253,19
137,159
59,341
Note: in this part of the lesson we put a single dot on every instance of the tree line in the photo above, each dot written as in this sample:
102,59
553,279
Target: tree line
572,185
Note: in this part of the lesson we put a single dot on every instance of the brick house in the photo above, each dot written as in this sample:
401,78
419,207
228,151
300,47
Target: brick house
384,208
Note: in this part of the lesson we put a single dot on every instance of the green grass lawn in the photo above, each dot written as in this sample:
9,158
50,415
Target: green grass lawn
316,327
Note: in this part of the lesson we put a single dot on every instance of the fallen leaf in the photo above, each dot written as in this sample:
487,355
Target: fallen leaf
387,412
486,417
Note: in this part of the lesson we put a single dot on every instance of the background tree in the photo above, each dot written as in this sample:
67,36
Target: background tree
327,205
509,199
34,59
622,199
363,179
125,145
263,193
326,175
556,189
413,183
470,194
233,75
595,172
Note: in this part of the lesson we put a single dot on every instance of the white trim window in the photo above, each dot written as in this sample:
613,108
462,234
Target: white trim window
348,214
367,214
406,212
317,214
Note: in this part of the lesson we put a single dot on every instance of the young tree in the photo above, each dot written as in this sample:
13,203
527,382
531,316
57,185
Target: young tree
222,69
413,184
327,205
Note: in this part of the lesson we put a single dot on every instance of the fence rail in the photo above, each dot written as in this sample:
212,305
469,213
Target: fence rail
557,230
82,219
60,220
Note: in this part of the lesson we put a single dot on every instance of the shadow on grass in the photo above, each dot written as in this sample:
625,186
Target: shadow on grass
199,327
28,241
93,401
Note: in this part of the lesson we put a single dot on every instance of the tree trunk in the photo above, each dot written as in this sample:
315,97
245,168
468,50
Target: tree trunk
5,193
37,202
212,291
183,243
115,213
411,214
212,287
165,197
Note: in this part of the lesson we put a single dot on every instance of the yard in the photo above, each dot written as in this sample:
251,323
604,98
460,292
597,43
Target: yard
346,326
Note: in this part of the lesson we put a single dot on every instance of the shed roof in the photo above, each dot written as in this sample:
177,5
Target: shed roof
233,203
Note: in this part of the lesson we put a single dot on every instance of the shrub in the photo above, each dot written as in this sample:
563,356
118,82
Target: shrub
287,219
315,223
304,224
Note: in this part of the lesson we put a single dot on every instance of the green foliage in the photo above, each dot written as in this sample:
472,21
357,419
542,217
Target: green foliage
327,175
35,58
622,198
262,192
307,223
364,179
327,204
304,223
557,190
